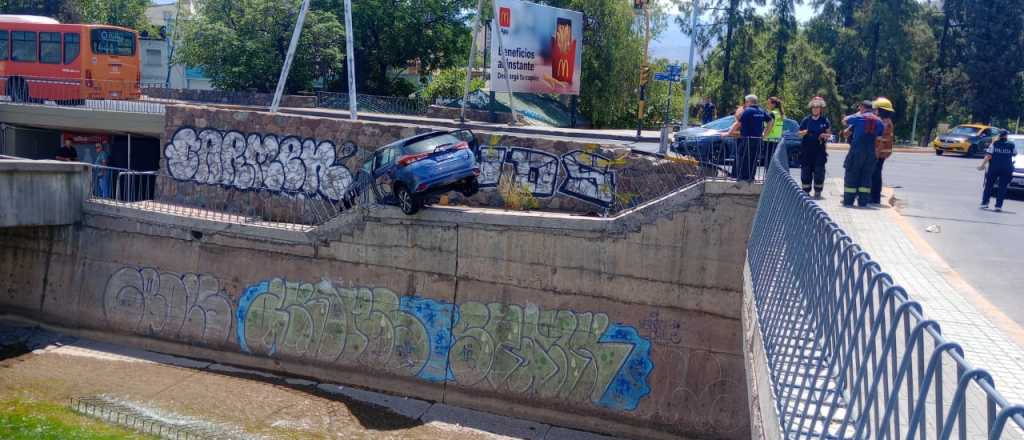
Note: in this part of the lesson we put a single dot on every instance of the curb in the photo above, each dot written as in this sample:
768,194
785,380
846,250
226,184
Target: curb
908,150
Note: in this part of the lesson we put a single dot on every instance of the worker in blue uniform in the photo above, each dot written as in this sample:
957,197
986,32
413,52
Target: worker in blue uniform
864,127
752,125
999,159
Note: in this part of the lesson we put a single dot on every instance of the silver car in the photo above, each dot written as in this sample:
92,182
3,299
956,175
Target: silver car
1018,162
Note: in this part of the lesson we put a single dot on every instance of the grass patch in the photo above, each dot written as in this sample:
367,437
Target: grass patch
31,420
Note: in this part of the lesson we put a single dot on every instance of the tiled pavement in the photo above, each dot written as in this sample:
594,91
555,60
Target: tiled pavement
990,341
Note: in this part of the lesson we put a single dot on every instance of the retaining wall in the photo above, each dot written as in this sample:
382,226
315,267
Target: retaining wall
630,325
232,98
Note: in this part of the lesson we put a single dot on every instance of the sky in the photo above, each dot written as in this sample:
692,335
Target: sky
675,46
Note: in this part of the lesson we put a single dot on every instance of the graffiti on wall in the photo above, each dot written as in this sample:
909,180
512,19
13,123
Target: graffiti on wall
583,175
562,354
256,161
188,307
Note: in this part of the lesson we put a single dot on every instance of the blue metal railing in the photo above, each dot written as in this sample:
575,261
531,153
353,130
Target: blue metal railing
850,353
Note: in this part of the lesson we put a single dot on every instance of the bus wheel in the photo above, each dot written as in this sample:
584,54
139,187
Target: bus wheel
17,89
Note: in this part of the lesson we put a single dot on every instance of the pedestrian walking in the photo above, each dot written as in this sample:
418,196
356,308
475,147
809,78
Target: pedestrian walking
751,126
999,159
707,112
67,152
863,128
773,137
101,176
883,145
815,130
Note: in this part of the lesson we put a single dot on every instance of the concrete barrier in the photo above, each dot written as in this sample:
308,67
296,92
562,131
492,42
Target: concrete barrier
231,98
42,192
628,325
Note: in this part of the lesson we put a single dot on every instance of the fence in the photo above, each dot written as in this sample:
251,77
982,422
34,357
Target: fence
109,95
850,353
371,103
742,158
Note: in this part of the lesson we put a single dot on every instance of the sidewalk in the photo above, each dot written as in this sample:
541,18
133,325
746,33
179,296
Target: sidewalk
990,340
235,403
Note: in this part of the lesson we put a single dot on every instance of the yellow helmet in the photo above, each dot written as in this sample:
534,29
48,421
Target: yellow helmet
884,104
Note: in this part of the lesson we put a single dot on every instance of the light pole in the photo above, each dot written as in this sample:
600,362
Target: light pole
644,69
351,58
290,56
689,66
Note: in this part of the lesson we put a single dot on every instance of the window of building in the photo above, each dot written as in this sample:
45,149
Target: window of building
154,57
23,46
49,47
72,46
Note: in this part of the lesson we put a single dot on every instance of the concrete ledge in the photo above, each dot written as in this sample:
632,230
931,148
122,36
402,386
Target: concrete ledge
82,119
764,420
42,193
41,166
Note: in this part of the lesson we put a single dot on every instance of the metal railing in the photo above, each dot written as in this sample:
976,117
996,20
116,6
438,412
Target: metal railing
291,210
109,95
850,353
737,158
375,104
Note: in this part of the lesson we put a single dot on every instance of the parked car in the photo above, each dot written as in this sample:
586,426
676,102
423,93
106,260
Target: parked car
969,139
709,143
1017,184
408,171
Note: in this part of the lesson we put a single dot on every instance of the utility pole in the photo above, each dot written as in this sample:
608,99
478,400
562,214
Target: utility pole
689,66
290,56
913,128
472,55
351,62
644,68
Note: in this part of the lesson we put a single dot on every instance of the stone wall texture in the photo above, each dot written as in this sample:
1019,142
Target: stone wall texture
629,326
323,158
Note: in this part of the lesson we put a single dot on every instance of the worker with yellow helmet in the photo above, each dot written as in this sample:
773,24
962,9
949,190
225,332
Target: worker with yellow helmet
883,145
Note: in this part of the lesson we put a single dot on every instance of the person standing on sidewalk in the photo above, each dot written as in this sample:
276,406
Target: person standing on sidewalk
707,112
750,126
101,176
67,152
815,131
864,127
773,136
883,146
999,158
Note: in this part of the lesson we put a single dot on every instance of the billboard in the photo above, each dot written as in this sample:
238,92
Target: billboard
542,48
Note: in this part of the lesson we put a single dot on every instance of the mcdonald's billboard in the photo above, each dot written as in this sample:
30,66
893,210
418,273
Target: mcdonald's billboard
536,48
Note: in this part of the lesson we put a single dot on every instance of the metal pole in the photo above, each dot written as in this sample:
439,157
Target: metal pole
290,56
504,64
351,58
689,67
472,55
913,128
129,151
1017,129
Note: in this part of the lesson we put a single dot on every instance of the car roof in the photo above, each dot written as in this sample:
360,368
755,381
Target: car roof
414,138
974,126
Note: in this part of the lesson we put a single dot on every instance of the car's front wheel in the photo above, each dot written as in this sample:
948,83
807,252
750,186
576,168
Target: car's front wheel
470,187
938,152
407,201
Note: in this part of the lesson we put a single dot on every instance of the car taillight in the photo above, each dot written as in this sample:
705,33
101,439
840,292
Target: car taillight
461,146
88,78
406,160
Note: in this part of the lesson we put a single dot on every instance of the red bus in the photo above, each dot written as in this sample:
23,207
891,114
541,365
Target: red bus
42,59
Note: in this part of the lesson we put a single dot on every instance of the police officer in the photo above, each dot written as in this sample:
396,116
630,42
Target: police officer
883,145
815,131
860,162
999,157
751,125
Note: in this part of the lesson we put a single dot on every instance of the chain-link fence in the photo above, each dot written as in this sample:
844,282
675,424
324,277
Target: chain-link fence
375,104
850,353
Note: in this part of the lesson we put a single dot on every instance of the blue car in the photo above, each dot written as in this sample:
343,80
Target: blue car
408,171
709,143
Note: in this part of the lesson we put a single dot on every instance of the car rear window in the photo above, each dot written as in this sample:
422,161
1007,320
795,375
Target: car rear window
721,124
968,131
429,144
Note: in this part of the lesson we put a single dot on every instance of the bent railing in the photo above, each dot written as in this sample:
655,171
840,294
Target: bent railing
850,353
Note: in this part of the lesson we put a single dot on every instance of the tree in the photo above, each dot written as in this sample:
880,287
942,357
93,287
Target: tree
242,45
785,29
62,10
450,83
125,13
992,59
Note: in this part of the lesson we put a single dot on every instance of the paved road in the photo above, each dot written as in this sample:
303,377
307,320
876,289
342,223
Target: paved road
986,248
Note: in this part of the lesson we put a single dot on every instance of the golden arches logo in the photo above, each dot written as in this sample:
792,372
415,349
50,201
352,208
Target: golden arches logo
562,68
505,17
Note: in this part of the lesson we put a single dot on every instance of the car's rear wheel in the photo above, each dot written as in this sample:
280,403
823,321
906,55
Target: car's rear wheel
470,187
938,152
407,201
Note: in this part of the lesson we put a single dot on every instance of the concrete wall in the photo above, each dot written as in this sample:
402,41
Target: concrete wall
630,326
443,112
44,192
232,98
246,151
81,119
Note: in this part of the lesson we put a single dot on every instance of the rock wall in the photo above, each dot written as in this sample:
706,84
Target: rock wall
291,155
443,112
630,326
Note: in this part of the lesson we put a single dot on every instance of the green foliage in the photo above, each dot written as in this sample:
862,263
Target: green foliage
126,13
450,83
28,420
242,45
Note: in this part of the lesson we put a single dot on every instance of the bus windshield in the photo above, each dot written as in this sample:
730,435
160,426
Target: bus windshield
113,42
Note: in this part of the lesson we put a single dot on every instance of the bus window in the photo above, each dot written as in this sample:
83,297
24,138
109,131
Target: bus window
23,46
5,45
49,47
72,45
113,42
